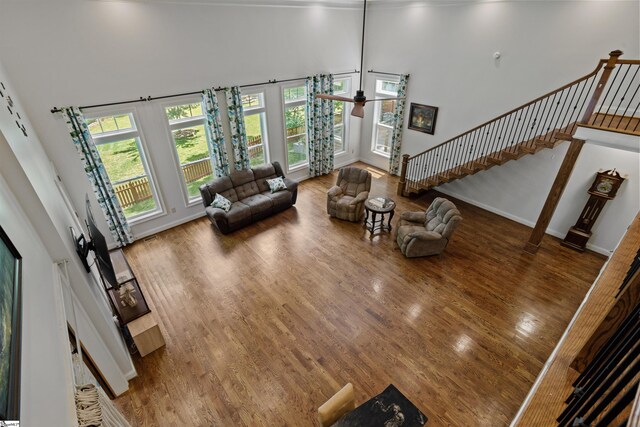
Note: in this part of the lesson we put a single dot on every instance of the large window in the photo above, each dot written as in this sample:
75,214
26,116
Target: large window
295,118
341,87
118,141
383,117
187,125
255,121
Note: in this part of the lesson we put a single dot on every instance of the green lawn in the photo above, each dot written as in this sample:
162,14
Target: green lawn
252,125
138,208
194,187
121,159
191,147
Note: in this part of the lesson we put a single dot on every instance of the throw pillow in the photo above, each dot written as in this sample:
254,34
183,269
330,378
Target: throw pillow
221,202
276,184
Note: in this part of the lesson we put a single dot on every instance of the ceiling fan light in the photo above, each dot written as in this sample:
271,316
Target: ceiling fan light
358,110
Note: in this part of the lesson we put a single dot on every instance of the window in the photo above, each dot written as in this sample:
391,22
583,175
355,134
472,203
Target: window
118,141
255,121
383,117
187,124
340,119
295,118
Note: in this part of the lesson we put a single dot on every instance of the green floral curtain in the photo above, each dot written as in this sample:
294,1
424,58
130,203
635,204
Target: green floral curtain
320,125
398,118
238,132
219,159
97,175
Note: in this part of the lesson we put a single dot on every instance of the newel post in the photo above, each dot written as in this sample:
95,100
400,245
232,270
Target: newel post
597,93
403,175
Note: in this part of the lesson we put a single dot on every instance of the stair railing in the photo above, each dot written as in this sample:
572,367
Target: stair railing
620,106
544,120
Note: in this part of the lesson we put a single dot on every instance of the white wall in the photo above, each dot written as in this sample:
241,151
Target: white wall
27,169
46,383
91,52
544,45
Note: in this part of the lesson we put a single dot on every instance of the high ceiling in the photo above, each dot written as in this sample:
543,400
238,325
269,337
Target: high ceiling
331,3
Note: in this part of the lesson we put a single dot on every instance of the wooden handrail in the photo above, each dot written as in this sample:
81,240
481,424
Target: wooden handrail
540,98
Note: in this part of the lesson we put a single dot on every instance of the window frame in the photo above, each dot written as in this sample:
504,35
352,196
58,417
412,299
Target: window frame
285,104
345,116
380,93
182,124
262,113
137,134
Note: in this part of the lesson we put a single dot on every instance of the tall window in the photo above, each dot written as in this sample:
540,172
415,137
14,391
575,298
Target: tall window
341,87
255,120
383,117
187,124
118,141
295,118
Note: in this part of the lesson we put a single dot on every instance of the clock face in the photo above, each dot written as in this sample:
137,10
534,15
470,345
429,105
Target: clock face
605,186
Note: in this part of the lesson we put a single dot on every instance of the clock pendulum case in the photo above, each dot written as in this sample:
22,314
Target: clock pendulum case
603,188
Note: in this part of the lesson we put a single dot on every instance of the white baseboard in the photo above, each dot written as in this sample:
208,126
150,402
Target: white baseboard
550,231
131,374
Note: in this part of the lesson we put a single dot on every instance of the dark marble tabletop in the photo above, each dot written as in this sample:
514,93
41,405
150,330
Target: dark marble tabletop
388,409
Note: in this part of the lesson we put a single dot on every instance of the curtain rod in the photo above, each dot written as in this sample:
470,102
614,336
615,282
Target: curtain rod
153,98
386,74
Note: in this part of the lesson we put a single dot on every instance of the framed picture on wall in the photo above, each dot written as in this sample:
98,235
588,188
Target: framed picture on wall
10,326
423,118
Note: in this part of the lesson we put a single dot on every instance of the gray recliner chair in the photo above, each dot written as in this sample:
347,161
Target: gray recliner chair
345,200
428,233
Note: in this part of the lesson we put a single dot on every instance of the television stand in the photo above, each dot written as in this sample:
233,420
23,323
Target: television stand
126,298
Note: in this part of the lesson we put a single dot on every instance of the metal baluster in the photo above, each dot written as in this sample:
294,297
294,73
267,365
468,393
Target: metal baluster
542,119
522,126
615,390
550,115
622,403
604,379
575,109
624,95
609,347
554,126
604,99
613,98
532,122
562,122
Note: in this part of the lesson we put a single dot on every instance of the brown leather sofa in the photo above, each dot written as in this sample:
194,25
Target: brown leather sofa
250,196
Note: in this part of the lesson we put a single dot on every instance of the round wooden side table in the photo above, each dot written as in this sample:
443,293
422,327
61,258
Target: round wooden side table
378,206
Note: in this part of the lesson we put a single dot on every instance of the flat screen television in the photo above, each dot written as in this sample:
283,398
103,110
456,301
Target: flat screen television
100,249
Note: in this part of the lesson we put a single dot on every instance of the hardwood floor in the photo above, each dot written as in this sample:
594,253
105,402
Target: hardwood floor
263,325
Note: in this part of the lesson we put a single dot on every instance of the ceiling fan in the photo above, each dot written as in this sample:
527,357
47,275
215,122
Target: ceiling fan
360,99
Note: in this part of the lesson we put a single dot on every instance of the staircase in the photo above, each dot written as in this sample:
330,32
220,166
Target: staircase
542,123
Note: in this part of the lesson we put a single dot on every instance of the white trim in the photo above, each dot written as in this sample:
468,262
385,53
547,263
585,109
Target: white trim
261,112
379,93
131,374
183,124
142,148
298,103
552,232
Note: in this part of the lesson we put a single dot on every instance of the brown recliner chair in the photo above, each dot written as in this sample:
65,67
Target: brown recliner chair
428,233
345,200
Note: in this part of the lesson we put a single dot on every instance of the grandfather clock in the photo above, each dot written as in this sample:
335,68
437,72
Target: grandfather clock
603,188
